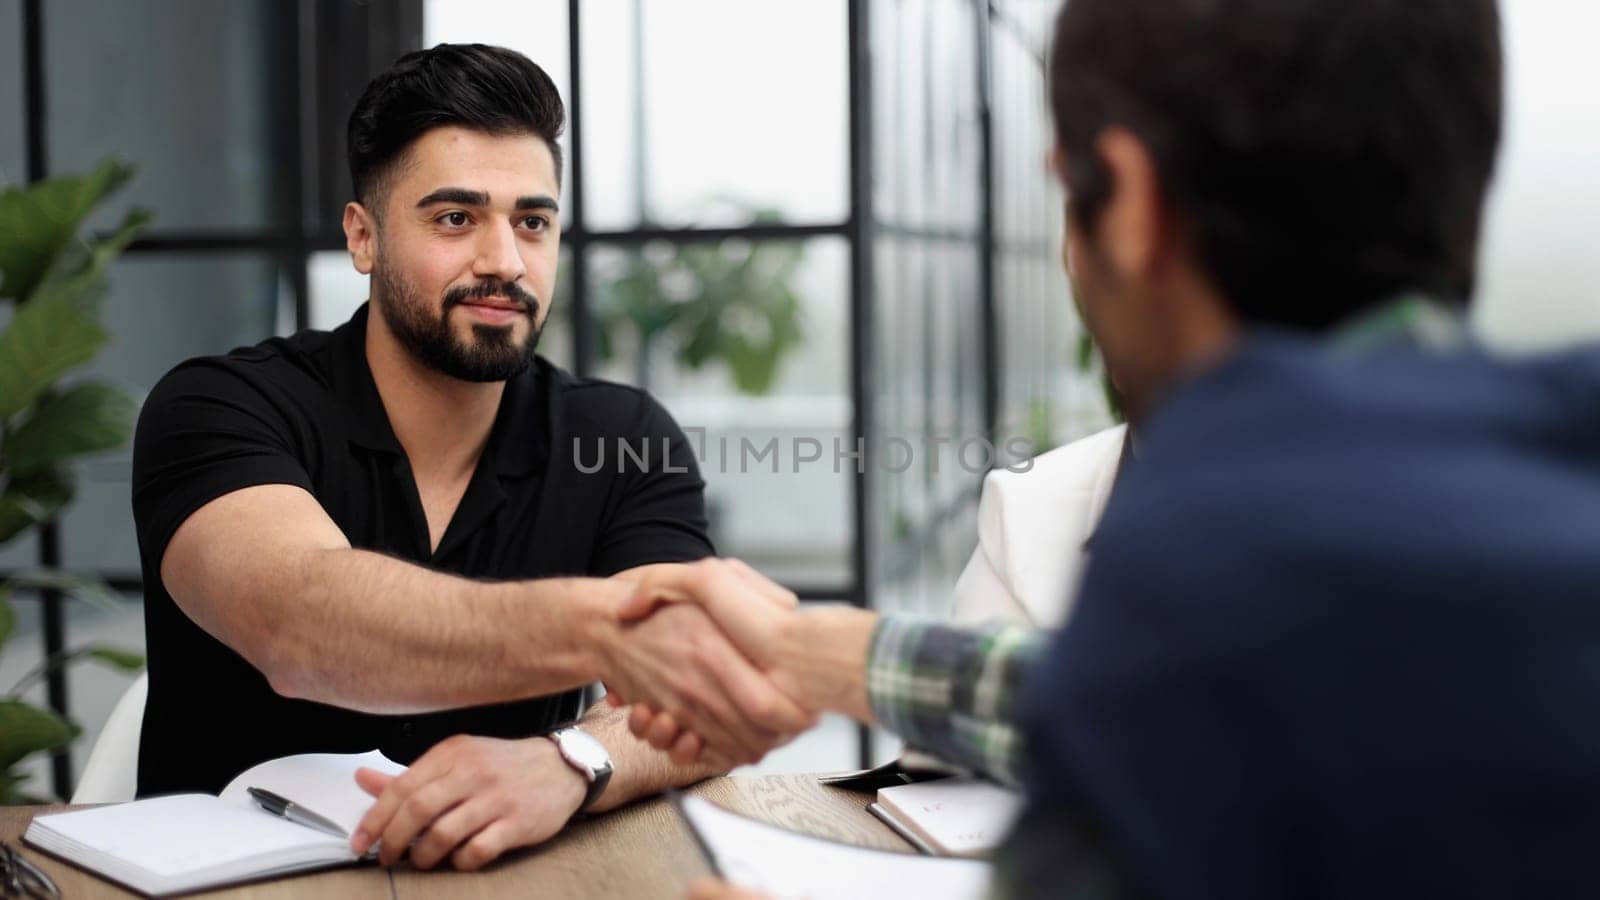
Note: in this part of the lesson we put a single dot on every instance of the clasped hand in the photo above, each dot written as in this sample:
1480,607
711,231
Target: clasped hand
702,667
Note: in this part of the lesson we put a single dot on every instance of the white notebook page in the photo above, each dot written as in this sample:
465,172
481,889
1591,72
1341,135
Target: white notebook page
324,783
792,866
959,814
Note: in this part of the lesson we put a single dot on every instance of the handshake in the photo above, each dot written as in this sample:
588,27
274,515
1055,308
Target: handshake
720,665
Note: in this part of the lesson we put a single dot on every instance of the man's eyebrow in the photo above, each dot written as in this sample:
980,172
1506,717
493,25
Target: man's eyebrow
455,195
540,201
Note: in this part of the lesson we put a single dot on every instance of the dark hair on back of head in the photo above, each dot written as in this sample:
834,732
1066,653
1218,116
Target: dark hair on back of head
476,86
1322,155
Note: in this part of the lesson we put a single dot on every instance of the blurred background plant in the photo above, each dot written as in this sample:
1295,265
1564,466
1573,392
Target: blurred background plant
730,303
54,280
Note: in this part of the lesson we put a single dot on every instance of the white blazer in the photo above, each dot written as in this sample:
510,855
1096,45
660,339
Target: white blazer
1032,527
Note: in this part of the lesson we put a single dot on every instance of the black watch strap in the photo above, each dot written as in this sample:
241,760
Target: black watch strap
596,788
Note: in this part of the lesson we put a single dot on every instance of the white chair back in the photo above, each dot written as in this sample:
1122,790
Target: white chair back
112,772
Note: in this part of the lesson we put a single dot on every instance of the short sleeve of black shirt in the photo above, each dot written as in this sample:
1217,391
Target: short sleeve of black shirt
205,431
657,512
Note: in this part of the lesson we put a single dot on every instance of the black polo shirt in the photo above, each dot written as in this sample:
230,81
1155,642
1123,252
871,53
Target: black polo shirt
305,411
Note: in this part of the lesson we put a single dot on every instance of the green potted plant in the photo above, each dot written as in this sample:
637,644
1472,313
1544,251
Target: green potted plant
729,303
52,280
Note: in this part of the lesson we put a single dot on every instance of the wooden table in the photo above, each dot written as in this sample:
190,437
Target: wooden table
643,850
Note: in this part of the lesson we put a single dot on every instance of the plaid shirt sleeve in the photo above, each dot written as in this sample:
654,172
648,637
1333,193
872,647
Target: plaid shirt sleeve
954,692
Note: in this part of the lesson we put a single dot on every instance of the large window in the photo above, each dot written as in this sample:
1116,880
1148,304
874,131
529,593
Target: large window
974,329
707,227
803,226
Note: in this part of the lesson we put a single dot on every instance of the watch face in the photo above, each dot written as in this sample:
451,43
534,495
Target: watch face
583,748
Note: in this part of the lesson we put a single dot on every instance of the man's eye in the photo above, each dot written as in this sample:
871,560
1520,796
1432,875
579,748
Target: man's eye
536,223
454,219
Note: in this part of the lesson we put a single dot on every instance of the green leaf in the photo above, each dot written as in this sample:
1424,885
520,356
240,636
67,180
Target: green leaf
116,657
47,338
8,616
86,418
32,499
10,784
12,794
89,590
27,729
39,221
13,520
78,278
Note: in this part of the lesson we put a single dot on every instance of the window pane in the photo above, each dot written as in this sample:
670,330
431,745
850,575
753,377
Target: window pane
1537,270
336,289
159,311
13,123
1027,200
929,388
952,116
929,402
208,125
889,161
536,28
672,137
1047,395
750,342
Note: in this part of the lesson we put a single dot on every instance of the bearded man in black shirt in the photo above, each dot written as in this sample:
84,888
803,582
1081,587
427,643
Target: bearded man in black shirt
379,536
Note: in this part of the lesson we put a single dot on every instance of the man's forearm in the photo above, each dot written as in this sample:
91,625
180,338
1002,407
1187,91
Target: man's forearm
373,633
638,770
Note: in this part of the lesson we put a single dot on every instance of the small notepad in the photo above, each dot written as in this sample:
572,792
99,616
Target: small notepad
790,866
950,817
184,842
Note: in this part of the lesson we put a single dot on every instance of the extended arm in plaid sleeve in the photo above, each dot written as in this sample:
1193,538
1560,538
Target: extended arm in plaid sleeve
954,692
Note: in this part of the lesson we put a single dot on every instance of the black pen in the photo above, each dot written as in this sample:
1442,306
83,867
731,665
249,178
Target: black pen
283,808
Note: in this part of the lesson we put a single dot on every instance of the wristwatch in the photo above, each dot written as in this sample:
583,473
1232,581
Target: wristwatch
588,756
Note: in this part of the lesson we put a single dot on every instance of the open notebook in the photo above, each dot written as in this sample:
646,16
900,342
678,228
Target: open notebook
184,842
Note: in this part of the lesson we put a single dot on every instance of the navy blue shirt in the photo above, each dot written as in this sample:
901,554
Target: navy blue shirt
1339,637
305,411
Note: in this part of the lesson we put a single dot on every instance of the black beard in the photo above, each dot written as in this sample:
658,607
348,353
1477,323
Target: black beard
493,356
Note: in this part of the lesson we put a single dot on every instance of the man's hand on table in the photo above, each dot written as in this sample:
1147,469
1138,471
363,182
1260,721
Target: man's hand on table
469,799
816,658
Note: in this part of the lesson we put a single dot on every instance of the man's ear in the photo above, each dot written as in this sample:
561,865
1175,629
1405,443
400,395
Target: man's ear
1132,225
360,236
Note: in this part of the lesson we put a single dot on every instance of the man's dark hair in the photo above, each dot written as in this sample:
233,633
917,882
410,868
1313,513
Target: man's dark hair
1321,155
476,86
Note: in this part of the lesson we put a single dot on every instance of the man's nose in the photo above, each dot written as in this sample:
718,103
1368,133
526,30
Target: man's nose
497,254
